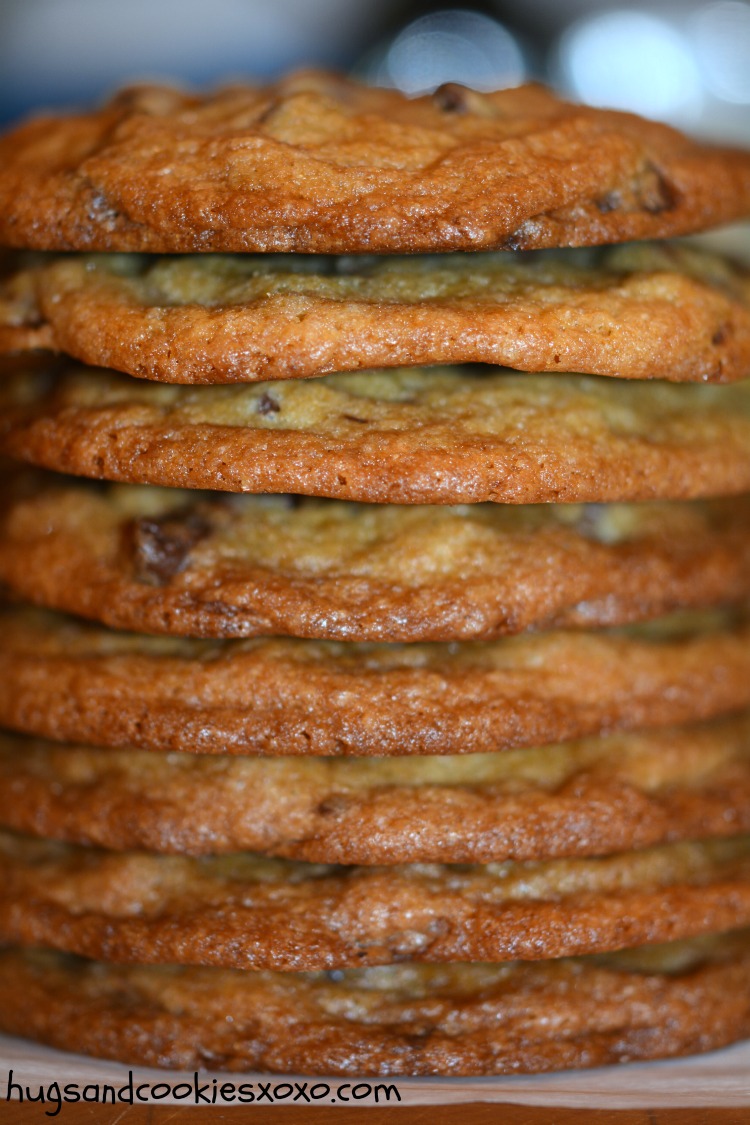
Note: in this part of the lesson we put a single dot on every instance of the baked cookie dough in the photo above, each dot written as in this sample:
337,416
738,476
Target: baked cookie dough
64,679
579,798
317,162
411,436
181,563
677,999
248,912
641,311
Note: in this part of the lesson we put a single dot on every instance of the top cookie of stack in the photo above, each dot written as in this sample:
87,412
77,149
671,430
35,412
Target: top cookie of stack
319,163
323,361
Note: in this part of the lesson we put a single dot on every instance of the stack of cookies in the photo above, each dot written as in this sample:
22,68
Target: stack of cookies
366,714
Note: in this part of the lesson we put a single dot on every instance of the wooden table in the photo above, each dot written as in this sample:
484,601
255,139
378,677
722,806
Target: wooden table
472,1113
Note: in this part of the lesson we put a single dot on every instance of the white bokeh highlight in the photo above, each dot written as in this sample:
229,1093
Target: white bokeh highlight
631,60
720,34
451,46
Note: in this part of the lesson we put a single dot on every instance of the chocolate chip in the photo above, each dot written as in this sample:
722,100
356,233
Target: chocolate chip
267,404
101,210
334,805
354,418
654,192
438,927
156,101
160,547
267,112
452,98
720,336
609,202
514,241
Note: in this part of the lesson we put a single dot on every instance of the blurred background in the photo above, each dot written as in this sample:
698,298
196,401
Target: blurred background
687,63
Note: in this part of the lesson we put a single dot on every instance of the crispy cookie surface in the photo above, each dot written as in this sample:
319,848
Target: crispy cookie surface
316,162
393,1020
67,680
166,561
584,798
406,436
243,911
639,311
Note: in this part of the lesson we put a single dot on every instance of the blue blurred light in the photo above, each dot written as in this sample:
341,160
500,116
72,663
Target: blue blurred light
721,35
54,51
451,46
634,61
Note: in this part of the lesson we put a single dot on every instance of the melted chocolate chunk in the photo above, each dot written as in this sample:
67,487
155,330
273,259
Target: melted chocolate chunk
653,191
609,202
101,210
333,805
452,98
267,404
514,241
159,548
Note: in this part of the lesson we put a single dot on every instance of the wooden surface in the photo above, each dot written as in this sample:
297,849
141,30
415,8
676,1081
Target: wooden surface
469,1114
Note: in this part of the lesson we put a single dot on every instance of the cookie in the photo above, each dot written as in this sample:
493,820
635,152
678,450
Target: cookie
243,911
407,436
317,162
637,312
395,1020
67,680
583,798
184,564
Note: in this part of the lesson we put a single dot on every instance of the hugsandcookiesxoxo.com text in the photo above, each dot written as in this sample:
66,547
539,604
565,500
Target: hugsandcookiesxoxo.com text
195,1091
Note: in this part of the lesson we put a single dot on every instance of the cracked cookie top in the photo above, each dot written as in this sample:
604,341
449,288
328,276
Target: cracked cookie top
320,163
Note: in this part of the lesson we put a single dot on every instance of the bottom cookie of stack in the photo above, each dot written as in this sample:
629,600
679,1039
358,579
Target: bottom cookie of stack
458,1019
